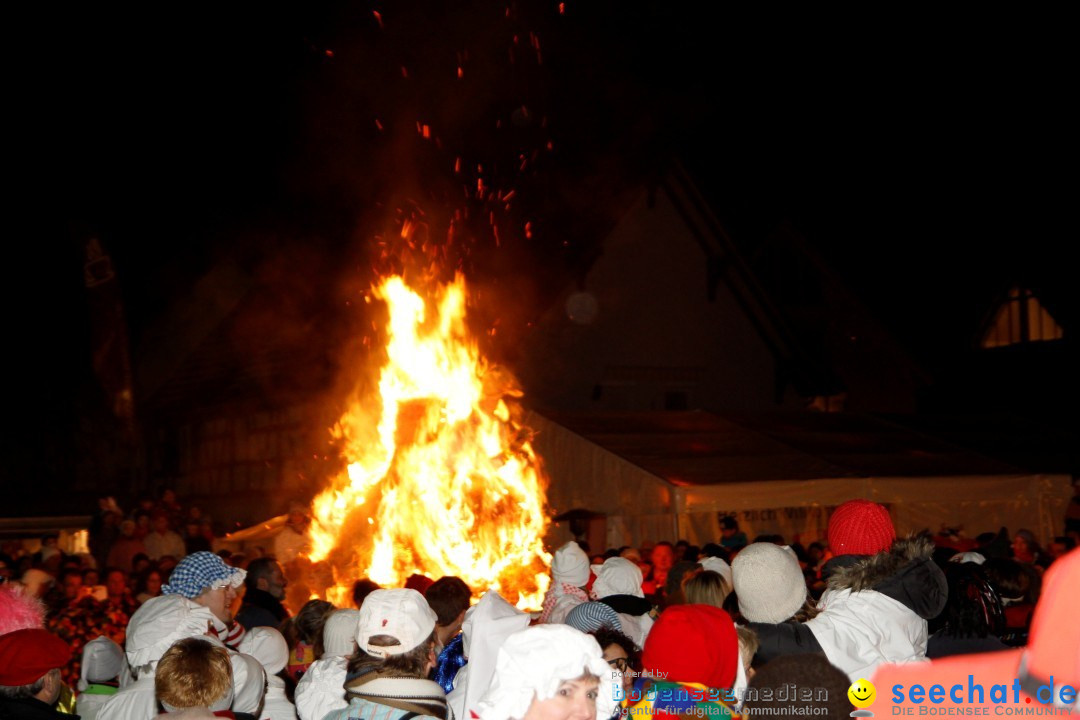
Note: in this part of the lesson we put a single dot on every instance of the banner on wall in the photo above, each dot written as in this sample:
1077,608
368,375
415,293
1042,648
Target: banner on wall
794,524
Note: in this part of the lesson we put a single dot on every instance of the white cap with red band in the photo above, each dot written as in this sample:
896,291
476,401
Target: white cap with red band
401,614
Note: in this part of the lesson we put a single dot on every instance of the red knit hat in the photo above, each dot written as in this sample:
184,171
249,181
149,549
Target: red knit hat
26,655
860,527
693,643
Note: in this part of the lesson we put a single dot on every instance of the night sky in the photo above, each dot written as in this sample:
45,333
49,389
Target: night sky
926,157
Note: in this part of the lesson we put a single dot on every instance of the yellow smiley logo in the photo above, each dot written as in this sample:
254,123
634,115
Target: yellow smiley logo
861,693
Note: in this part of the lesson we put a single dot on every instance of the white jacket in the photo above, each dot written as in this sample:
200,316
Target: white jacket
138,702
860,630
276,705
322,688
636,627
88,706
487,625
874,611
135,702
562,607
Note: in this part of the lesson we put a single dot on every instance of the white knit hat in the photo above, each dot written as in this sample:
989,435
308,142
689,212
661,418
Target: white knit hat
249,684
617,576
533,662
570,565
268,646
401,614
160,622
339,632
102,661
768,582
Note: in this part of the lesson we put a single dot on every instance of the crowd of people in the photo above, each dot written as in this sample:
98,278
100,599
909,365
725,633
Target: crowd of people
666,629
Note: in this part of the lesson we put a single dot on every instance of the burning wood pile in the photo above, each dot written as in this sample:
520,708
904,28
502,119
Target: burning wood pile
441,476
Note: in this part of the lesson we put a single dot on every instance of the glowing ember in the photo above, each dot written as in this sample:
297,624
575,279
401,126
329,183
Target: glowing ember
442,478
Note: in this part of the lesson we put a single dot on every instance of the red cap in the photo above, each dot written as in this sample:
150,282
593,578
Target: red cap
860,527
27,655
693,643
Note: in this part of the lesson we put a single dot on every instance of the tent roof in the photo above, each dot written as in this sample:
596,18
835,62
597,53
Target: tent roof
701,448
20,527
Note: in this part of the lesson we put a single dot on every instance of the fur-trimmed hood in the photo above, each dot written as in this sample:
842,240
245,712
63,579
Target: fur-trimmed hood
906,573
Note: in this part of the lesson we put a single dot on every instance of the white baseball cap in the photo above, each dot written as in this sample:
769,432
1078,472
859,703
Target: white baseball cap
401,614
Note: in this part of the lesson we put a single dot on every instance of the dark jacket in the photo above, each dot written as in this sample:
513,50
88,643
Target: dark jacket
260,609
943,645
31,709
450,660
628,604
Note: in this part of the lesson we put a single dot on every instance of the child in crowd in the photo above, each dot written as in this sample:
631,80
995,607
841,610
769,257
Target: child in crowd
194,680
102,665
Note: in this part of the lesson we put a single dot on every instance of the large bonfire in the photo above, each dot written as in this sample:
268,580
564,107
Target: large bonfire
441,477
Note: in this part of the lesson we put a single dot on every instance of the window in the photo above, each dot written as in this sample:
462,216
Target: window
1020,318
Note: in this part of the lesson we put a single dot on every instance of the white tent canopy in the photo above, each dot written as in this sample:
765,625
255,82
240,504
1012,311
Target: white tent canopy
801,507
616,467
665,476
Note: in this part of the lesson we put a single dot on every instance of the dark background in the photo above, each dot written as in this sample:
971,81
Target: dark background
925,156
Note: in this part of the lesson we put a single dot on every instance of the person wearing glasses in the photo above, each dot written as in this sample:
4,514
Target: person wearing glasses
603,623
206,580
621,655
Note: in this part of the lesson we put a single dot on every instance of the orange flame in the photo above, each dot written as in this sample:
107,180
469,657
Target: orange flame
442,478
